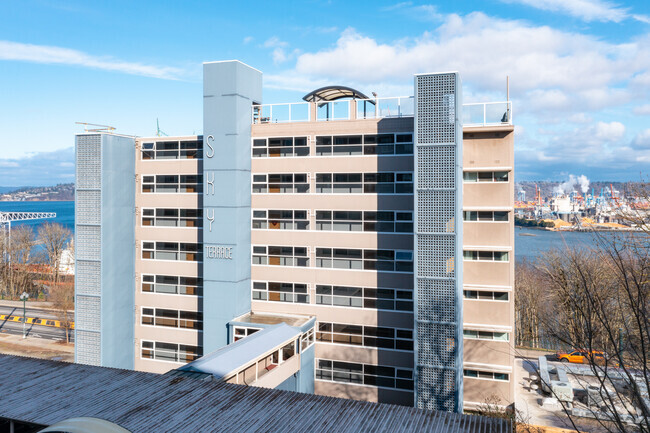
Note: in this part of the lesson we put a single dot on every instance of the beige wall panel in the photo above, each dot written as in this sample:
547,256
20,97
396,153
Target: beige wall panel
487,312
157,300
332,276
490,273
332,201
326,313
339,352
332,239
187,269
365,393
487,194
184,200
167,335
167,166
487,233
488,149
480,390
172,234
487,352
153,366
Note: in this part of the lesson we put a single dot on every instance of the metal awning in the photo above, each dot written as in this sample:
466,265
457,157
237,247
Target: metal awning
332,93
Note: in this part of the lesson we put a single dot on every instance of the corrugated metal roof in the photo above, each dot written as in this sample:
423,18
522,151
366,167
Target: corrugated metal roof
45,392
228,359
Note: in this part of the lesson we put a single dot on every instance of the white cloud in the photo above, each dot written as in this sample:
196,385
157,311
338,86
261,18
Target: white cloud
586,10
642,140
549,69
16,51
642,110
248,40
279,50
612,131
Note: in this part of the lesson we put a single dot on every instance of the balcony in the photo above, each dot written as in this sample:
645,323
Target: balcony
474,114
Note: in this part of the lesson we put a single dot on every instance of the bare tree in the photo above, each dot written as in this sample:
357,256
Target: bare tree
62,297
599,302
54,237
15,274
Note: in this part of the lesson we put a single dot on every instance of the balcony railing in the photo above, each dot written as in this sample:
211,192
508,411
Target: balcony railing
400,106
474,114
487,113
282,113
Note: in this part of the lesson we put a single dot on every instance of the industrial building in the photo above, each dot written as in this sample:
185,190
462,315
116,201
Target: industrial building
379,230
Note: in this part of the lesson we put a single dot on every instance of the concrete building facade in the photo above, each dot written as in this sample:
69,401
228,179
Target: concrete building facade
359,212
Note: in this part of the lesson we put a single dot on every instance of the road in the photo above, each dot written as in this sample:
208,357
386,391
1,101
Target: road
38,331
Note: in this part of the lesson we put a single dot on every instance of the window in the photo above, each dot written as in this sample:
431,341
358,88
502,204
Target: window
280,292
477,374
485,176
162,217
290,183
172,318
366,374
486,256
172,284
497,216
356,221
283,146
280,219
184,149
280,256
373,144
379,260
485,295
368,336
485,335
172,251
168,183
367,183
242,332
379,298
170,351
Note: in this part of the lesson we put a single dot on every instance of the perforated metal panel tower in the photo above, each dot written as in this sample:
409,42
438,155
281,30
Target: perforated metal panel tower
438,242
104,250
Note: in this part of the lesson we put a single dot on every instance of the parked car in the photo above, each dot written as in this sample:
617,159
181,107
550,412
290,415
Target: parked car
582,356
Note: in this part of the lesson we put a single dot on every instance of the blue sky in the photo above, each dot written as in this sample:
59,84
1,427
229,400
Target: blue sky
579,70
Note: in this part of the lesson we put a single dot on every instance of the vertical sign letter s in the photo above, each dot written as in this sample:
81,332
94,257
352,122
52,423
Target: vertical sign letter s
210,152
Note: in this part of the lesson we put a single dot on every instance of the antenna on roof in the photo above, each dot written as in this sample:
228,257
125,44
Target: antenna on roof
100,129
159,133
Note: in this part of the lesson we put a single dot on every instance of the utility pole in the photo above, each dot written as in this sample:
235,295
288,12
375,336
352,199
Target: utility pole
24,298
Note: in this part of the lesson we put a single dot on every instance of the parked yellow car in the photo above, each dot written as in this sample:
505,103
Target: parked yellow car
582,356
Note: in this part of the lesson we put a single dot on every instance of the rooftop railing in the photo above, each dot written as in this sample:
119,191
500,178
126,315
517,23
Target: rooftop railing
487,113
473,114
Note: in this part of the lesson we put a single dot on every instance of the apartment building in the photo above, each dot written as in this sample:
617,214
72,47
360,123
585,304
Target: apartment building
387,220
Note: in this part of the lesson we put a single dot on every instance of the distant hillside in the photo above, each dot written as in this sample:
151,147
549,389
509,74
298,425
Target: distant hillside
60,192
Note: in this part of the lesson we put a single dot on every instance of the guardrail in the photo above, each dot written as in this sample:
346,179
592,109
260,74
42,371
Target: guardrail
473,114
487,113
282,113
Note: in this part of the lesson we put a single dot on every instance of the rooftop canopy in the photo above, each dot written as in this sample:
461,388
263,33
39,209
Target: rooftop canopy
332,93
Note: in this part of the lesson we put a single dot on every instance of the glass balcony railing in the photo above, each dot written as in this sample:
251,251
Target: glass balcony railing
487,113
473,114
282,113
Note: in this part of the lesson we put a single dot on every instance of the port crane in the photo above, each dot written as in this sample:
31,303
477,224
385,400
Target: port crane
7,217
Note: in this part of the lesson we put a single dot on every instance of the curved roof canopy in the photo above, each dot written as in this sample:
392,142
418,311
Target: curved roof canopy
332,93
